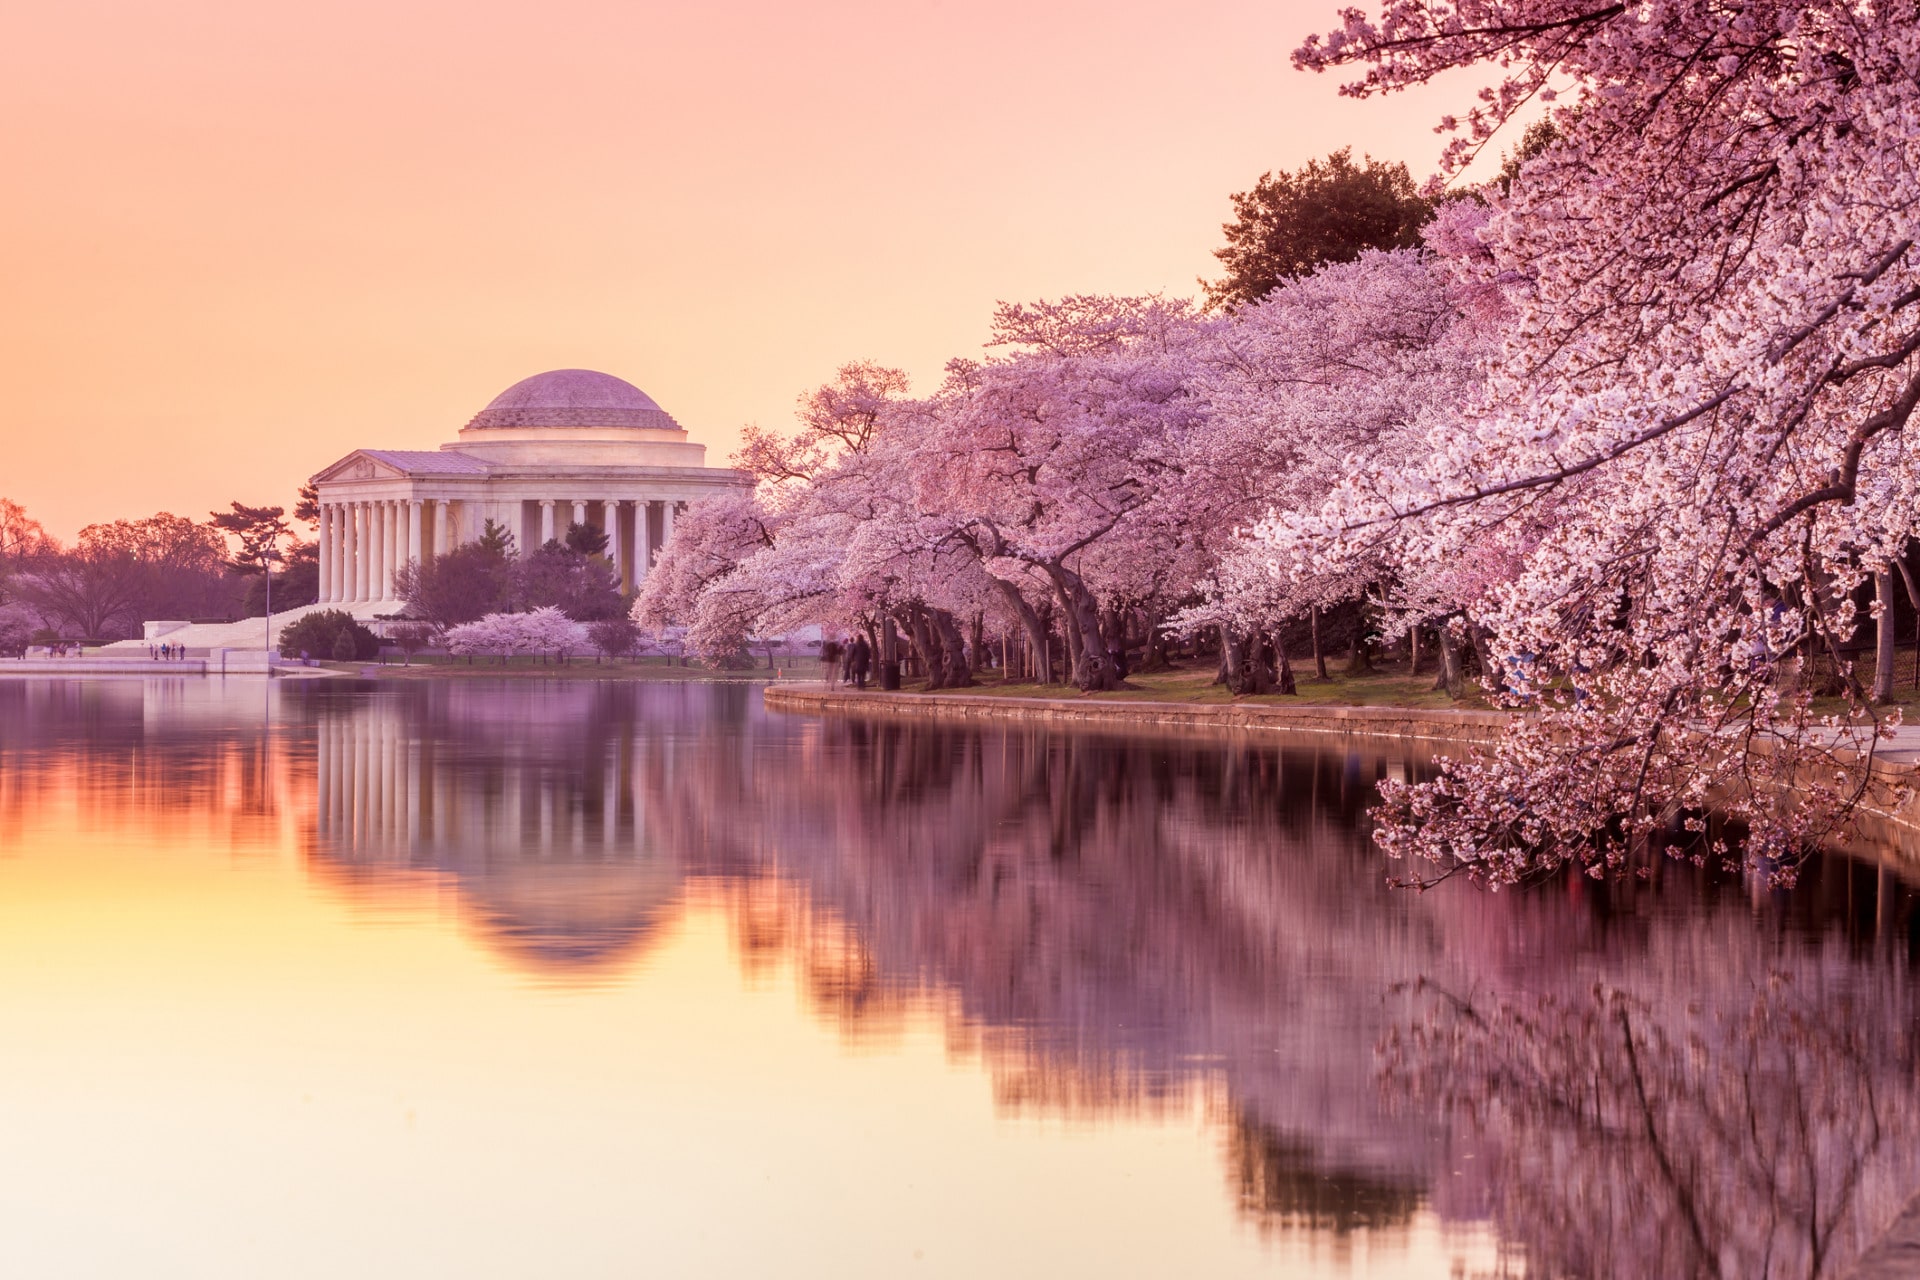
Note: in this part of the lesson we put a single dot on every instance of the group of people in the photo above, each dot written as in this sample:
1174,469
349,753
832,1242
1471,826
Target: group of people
847,663
166,652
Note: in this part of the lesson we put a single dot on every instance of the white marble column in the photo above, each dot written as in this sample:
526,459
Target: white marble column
389,546
349,555
341,557
344,545
546,521
376,547
414,552
362,550
326,553
377,541
399,543
666,522
612,508
397,555
579,511
442,520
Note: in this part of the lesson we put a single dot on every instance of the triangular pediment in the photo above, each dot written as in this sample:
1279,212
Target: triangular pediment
359,465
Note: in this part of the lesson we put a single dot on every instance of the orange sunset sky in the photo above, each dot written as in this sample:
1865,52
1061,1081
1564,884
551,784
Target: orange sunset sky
241,239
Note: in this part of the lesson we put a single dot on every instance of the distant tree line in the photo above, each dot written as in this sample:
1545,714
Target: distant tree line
119,573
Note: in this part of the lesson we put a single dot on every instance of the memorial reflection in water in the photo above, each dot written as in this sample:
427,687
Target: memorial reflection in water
1690,1075
537,817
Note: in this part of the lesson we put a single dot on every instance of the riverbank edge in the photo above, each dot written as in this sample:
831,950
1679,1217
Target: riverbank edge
1412,724
1888,819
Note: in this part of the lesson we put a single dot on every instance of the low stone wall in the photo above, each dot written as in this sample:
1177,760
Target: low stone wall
1437,728
105,663
88,667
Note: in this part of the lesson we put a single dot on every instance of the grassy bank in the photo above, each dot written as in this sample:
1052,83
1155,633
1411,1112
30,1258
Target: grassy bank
1380,687
1383,686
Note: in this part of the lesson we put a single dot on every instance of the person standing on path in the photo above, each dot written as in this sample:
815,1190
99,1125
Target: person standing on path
859,659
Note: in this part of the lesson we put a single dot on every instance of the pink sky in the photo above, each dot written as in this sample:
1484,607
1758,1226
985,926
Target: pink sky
241,239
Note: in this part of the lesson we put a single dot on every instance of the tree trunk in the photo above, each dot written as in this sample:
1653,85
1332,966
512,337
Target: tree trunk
1883,635
920,636
958,674
1319,654
1246,663
889,674
1233,665
1093,670
1913,598
1453,676
1477,637
1359,662
1264,663
1029,620
1283,674
1076,646
1413,642
1156,657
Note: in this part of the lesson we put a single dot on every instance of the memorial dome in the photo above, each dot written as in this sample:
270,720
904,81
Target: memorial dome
562,398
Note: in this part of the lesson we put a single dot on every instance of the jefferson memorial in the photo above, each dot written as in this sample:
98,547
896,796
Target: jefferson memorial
567,447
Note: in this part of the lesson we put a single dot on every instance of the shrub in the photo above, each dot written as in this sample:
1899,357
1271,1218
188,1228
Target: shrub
320,635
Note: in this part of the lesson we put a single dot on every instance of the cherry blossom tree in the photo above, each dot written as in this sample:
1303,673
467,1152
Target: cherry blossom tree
1045,453
545,631
1694,445
1356,364
689,584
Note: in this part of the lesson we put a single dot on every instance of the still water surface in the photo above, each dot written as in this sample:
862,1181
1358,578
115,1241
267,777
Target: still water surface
642,980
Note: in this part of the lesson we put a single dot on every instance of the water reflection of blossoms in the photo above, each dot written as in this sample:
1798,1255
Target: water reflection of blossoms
1120,922
1119,926
1691,1076
1768,1127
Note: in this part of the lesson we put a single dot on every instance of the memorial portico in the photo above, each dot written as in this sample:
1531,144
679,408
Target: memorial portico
567,447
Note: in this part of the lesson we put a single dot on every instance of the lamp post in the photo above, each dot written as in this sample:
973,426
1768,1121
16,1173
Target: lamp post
258,530
271,554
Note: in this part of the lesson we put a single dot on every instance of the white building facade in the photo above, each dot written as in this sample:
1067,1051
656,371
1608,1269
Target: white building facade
567,447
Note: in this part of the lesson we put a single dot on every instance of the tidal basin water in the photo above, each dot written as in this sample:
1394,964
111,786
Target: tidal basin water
585,979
